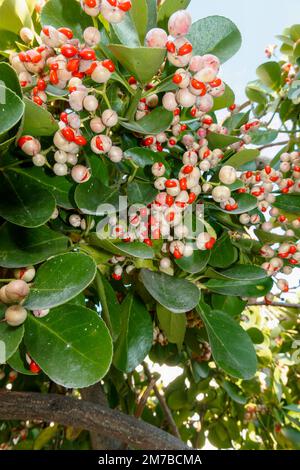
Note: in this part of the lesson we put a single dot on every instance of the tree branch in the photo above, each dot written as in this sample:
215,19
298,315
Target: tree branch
275,144
143,400
273,304
86,415
163,404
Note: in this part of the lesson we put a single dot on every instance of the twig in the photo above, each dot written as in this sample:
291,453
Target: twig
274,144
143,400
81,414
163,404
273,304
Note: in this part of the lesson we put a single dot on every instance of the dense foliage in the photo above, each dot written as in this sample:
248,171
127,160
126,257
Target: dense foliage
103,99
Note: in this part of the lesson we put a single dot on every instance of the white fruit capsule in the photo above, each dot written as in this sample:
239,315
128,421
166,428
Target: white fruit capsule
227,175
101,144
111,14
39,160
72,159
202,240
30,146
75,220
60,156
185,98
158,169
115,154
188,251
90,103
80,174
156,37
16,291
244,219
165,263
169,101
160,183
109,118
221,194
97,125
41,313
15,315
60,169
179,23
91,36
25,274
101,74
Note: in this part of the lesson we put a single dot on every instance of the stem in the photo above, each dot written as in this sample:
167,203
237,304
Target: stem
273,304
273,145
135,170
144,398
163,404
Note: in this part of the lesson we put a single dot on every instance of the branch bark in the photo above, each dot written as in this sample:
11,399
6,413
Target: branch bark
86,415
273,304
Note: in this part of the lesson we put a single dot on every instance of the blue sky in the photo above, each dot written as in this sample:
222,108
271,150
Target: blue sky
259,22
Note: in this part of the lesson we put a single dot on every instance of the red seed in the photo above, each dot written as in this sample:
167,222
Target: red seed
124,6
171,47
185,49
67,32
109,65
68,50
88,54
68,134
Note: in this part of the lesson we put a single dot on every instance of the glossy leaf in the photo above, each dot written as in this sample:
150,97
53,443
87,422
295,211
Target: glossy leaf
96,199
168,8
135,340
37,120
152,14
232,348
223,254
224,101
9,78
289,203
72,345
177,295
20,247
244,272
12,109
139,15
155,122
60,279
234,392
110,306
270,74
242,157
241,288
141,193
66,13
134,249
220,141
29,204
263,137
135,58
215,35
126,30
231,305
172,324
196,263
246,203
144,157
10,338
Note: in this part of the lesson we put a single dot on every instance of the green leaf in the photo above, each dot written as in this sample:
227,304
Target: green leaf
242,157
37,120
289,203
241,288
155,122
66,13
172,324
257,92
256,335
244,272
12,109
144,157
10,338
224,101
9,78
152,14
294,408
135,340
234,392
60,279
263,137
140,192
94,198
196,263
177,295
18,360
232,348
134,249
14,14
61,188
139,15
110,305
235,121
246,203
45,436
135,58
295,32
292,435
231,305
223,254
29,204
215,35
220,141
168,8
270,74
21,247
72,345
126,30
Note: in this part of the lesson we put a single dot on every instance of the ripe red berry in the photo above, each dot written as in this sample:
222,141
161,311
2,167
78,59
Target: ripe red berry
215,83
73,65
80,140
88,54
53,77
68,50
67,32
185,49
34,367
41,84
177,79
68,134
109,65
171,47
